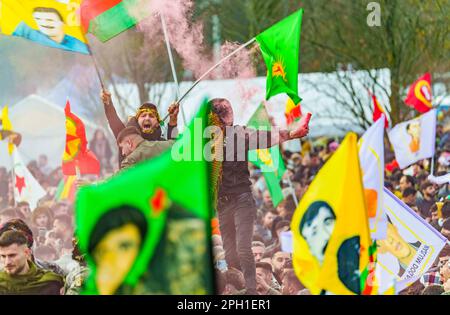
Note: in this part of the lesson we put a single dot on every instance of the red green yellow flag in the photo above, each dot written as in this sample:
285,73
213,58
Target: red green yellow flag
280,47
106,19
293,112
66,189
76,154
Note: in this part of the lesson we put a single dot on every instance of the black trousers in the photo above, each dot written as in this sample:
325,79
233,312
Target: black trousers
237,216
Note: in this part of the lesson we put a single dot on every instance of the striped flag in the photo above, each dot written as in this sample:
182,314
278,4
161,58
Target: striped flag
106,19
66,189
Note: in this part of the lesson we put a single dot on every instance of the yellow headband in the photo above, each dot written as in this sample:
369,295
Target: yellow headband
151,111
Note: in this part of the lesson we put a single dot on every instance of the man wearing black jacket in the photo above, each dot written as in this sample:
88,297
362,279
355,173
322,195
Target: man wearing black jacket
236,206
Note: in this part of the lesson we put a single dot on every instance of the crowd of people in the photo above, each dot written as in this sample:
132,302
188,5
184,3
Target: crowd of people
49,227
43,237
413,185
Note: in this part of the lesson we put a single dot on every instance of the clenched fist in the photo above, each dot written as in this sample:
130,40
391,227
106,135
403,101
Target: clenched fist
106,97
173,110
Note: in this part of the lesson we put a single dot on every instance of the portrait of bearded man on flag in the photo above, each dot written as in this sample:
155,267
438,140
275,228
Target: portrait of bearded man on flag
316,227
413,129
50,23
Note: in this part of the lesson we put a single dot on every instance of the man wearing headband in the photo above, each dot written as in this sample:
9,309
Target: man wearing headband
146,119
236,207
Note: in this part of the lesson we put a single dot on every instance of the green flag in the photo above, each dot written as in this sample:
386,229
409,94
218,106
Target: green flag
280,47
269,160
106,19
145,229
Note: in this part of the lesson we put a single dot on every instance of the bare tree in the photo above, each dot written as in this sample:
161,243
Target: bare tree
412,40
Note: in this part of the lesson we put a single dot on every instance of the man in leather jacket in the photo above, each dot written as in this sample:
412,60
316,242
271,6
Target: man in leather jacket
236,206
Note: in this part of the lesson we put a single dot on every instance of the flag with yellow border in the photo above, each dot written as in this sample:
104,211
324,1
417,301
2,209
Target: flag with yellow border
330,227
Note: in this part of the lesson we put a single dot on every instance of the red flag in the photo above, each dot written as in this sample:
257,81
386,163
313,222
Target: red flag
90,9
390,167
419,95
293,111
76,153
378,110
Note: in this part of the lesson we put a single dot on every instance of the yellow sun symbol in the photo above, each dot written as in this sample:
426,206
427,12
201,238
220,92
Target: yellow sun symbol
265,157
278,69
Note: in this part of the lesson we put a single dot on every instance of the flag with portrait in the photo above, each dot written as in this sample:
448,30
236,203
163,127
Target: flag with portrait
331,248
414,140
410,248
51,23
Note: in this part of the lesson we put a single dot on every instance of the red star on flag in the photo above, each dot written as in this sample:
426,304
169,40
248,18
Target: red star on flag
20,183
158,201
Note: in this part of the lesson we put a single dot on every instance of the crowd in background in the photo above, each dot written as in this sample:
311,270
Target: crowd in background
275,273
51,224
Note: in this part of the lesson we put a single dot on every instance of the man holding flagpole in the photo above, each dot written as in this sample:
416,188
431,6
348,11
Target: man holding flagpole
235,206
147,120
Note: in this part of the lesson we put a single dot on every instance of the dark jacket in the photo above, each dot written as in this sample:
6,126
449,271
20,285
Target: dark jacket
235,173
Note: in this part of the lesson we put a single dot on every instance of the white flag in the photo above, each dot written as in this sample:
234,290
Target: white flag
414,140
440,180
410,248
286,241
371,158
26,187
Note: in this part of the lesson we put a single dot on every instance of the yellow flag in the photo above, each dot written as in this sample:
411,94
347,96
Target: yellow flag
53,23
330,226
7,126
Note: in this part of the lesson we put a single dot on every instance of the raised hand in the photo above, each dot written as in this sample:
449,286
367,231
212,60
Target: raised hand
173,110
262,287
106,97
302,129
